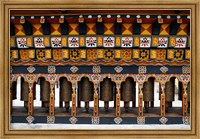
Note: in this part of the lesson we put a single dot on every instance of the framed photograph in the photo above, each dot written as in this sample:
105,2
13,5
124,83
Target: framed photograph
99,68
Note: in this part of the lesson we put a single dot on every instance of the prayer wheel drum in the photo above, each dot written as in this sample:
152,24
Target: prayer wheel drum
106,92
148,93
128,92
65,92
86,91
169,93
24,92
44,92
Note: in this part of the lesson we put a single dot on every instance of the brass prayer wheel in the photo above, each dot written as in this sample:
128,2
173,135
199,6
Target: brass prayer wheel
169,93
106,92
65,92
148,93
128,92
86,91
44,92
24,92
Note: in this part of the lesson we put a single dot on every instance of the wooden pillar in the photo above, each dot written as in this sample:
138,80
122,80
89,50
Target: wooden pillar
30,100
52,100
185,101
96,102
162,100
118,100
73,113
140,100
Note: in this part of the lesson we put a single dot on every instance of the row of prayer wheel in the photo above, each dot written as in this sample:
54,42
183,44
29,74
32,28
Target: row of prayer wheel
107,92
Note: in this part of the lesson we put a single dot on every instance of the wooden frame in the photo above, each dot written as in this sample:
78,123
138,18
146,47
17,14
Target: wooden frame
7,5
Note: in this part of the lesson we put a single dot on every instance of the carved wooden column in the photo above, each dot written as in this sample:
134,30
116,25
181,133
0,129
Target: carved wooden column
185,101
96,102
118,100
52,100
140,100
30,99
185,79
31,78
73,113
162,99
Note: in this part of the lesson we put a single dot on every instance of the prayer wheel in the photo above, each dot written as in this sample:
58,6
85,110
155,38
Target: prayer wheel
169,93
128,92
148,93
86,92
24,92
44,92
65,92
106,92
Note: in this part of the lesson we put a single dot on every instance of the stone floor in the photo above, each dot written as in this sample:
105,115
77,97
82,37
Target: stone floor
23,126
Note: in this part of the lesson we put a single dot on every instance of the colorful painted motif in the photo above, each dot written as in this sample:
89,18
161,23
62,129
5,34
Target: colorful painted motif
142,69
108,41
91,42
57,54
48,54
74,69
92,54
96,69
65,54
137,41
153,54
51,69
118,69
74,54
143,54
40,54
127,42
178,54
161,54
73,42
162,42
39,42
163,69
181,42
170,54
145,42
24,54
126,54
21,42
100,53
187,54
31,69
14,54
108,54
56,42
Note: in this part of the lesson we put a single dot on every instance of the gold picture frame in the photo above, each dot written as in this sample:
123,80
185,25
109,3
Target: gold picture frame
192,5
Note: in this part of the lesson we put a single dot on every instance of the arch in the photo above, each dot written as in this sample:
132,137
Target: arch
150,76
41,76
